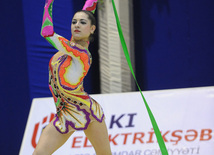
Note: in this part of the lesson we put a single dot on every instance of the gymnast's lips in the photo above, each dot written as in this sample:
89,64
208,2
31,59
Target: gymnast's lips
76,31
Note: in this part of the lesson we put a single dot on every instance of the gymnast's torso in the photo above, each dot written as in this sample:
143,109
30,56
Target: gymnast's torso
75,108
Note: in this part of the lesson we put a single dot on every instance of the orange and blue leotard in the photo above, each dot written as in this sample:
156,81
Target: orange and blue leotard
67,69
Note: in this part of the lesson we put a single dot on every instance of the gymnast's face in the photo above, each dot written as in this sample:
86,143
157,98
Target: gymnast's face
81,27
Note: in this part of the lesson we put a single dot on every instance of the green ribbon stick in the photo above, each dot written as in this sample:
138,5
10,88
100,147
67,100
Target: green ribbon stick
154,124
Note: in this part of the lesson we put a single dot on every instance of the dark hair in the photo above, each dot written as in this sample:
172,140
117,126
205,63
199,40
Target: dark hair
92,19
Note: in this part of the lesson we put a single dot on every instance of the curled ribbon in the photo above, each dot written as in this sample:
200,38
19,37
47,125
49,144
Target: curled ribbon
153,121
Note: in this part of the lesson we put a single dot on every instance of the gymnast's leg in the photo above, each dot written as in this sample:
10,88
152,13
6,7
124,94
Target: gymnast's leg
98,136
50,140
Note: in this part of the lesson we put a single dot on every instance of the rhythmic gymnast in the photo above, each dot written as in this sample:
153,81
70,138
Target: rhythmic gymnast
75,109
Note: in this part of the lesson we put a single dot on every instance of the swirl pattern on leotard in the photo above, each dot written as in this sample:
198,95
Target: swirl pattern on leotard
75,109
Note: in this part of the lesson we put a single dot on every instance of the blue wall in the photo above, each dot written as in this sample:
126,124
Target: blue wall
174,47
15,101
174,43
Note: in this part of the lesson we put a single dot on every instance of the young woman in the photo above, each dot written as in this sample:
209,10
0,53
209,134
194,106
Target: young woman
76,110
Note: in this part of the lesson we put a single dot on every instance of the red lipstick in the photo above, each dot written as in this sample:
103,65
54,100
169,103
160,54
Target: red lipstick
76,31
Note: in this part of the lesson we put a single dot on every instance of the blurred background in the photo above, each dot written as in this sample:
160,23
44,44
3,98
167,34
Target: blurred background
173,48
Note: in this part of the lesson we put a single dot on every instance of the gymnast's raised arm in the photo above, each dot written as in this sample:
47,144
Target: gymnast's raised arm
47,31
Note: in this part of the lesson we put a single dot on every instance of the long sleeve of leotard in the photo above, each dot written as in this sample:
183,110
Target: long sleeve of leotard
59,42
47,30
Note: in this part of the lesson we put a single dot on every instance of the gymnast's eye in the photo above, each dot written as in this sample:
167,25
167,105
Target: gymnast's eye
74,22
82,22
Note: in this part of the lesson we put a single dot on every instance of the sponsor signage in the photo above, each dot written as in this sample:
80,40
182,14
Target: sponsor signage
184,116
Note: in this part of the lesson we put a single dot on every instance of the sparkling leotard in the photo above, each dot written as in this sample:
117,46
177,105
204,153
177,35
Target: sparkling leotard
67,69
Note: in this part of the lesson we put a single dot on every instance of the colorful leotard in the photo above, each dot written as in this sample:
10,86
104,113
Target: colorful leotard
67,69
